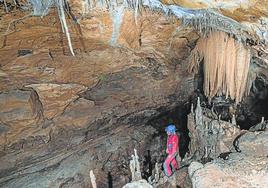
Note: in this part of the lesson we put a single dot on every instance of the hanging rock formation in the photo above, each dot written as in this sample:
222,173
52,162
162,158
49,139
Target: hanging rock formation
226,66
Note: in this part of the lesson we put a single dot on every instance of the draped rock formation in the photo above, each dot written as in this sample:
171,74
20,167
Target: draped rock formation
226,65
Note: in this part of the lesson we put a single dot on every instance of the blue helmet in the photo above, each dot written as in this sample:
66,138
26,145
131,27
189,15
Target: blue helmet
170,128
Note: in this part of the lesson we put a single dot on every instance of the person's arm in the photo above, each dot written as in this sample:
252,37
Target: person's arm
175,145
167,147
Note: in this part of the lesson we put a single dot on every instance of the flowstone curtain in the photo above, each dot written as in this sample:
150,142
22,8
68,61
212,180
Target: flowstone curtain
226,65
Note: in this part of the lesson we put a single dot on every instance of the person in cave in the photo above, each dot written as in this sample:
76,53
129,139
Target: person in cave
172,150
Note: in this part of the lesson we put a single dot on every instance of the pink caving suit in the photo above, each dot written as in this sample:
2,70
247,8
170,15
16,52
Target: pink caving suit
172,151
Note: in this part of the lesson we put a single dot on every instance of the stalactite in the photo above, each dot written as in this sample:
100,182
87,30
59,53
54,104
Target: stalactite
137,9
117,14
64,24
5,4
85,7
15,3
226,65
40,8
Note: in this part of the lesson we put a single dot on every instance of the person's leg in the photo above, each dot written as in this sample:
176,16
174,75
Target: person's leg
166,166
174,163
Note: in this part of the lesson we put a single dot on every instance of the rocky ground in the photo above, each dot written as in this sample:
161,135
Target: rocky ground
236,158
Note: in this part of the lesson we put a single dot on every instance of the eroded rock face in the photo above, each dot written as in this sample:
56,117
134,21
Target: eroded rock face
55,97
19,109
16,107
88,112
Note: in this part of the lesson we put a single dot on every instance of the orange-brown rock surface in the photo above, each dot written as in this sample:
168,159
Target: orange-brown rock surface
62,116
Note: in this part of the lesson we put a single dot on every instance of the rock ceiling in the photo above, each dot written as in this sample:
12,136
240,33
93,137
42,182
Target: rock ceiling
239,10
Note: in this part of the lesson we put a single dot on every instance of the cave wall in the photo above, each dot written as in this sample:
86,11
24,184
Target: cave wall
62,116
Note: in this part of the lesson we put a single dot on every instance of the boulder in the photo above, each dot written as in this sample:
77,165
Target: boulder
138,184
254,143
238,171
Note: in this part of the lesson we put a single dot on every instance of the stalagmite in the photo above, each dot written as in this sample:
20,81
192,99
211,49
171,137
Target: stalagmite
233,120
192,108
93,179
234,130
132,168
135,167
206,152
156,176
137,163
198,112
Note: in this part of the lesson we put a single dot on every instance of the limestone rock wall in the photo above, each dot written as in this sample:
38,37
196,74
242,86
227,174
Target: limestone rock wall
62,116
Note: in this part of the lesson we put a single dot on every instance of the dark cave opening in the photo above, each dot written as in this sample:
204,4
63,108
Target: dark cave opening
255,106
224,109
176,116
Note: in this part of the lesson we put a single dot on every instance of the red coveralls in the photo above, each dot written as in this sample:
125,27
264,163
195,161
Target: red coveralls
172,150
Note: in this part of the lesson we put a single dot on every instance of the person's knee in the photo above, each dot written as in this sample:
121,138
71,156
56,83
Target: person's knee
166,162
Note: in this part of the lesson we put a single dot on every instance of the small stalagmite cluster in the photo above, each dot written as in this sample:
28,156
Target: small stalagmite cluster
209,135
226,65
